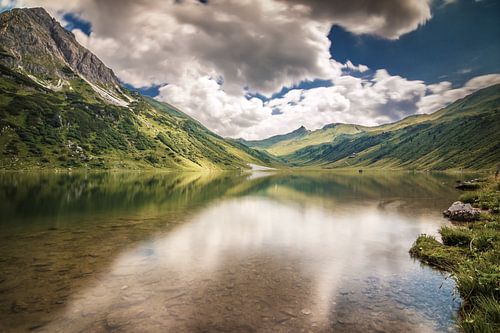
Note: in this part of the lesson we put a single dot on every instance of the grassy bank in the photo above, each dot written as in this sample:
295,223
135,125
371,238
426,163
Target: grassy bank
471,252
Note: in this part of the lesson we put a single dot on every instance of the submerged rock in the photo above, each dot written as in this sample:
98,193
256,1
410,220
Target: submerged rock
460,211
306,312
468,186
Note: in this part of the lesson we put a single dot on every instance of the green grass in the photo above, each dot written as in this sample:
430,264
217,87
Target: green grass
74,128
472,253
456,236
434,253
481,317
485,198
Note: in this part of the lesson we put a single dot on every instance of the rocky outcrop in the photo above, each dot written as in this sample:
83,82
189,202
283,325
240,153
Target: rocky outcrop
463,212
31,39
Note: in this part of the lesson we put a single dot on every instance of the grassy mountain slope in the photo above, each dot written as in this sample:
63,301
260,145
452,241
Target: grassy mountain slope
286,144
465,134
70,114
277,139
324,135
76,128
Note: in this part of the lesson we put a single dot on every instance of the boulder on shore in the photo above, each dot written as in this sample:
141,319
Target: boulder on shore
460,211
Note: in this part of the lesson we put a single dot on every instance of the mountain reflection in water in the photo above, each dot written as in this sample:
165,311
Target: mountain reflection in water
316,252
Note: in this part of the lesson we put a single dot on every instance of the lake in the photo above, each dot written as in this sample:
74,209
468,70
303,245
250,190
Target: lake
256,252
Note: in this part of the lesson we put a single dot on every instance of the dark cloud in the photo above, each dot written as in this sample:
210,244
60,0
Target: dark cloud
248,47
262,45
386,18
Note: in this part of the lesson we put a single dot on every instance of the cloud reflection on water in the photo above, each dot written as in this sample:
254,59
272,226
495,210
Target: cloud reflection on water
319,254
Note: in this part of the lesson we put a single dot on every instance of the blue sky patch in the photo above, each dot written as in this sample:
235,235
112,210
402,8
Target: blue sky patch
302,85
460,42
75,22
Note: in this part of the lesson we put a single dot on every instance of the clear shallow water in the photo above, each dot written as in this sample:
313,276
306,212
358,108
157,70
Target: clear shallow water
312,252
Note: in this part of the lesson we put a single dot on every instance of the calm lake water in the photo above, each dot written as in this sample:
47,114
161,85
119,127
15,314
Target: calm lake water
261,252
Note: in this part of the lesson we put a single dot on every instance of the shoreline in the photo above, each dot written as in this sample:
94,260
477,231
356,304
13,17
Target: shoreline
470,251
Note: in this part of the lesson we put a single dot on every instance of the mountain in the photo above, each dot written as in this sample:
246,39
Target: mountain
61,107
277,139
466,134
37,45
291,142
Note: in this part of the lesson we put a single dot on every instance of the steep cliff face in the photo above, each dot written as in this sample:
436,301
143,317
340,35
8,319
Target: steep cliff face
34,42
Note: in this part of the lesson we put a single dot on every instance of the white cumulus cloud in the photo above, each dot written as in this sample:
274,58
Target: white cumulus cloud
209,58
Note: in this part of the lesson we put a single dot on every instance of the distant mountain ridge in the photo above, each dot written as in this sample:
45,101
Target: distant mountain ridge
281,145
466,134
269,142
61,107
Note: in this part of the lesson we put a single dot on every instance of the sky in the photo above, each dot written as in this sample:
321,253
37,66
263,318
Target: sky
256,68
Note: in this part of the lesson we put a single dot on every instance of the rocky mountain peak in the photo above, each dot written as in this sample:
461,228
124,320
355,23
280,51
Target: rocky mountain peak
299,131
31,40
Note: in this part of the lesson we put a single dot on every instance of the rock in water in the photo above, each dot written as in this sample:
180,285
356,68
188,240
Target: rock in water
468,186
460,211
306,312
